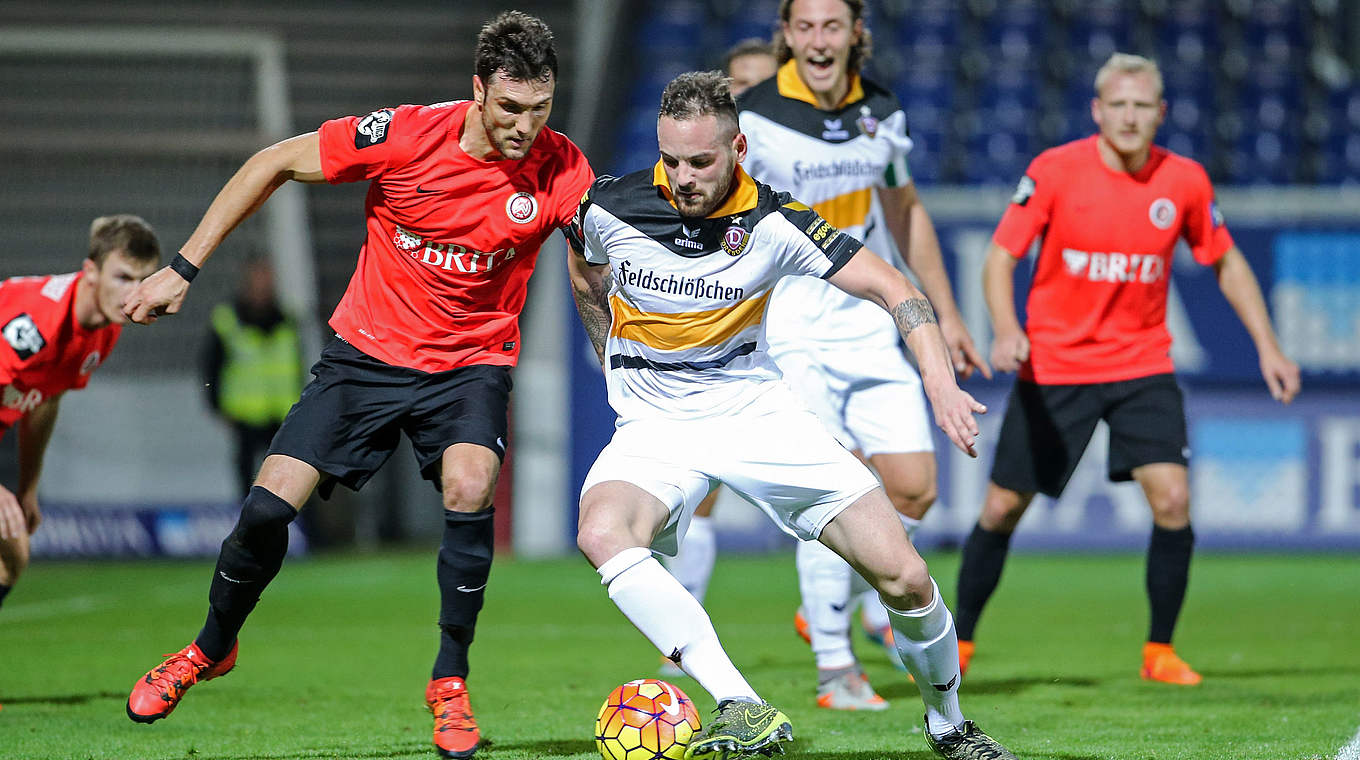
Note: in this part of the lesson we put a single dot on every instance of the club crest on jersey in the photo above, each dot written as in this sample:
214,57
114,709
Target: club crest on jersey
1215,215
1023,191
405,240
372,129
521,208
1162,212
735,239
868,125
23,336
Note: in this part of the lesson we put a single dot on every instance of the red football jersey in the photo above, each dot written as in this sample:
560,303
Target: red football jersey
1097,307
452,239
45,351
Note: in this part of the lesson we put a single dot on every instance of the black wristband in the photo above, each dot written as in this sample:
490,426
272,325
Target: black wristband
184,268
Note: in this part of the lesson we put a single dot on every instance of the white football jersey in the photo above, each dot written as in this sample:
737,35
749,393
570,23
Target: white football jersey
688,298
833,161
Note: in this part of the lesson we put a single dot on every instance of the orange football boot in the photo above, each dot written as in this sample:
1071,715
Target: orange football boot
965,656
158,692
1160,663
455,730
800,626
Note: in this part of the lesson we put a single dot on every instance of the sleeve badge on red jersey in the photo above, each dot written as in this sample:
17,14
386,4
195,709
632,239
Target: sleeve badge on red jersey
1215,215
372,129
1023,191
23,336
91,363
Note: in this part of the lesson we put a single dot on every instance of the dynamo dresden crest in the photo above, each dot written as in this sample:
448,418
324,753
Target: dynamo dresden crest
868,125
521,208
734,240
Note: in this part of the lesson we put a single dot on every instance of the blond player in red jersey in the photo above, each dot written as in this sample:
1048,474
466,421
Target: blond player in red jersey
57,330
1110,209
461,197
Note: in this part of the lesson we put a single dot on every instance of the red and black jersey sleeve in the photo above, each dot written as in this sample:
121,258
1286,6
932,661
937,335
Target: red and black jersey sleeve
1030,208
1203,228
356,148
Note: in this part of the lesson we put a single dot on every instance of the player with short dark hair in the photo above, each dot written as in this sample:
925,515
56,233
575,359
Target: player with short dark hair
672,271
57,330
1110,209
748,63
461,197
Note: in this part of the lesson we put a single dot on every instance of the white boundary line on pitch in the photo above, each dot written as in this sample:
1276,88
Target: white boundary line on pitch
1352,749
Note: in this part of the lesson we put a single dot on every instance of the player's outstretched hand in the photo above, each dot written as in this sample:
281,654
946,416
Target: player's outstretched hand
962,353
1010,351
1282,376
954,410
160,294
13,524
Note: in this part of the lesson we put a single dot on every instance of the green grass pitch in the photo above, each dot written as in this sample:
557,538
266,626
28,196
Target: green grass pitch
334,661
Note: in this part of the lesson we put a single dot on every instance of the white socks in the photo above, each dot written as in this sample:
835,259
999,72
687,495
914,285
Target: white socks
673,620
824,580
929,648
693,564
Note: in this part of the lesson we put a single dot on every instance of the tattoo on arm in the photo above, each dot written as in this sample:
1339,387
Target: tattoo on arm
593,306
911,314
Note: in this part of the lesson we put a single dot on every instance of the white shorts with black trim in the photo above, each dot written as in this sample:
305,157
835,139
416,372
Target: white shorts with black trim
774,454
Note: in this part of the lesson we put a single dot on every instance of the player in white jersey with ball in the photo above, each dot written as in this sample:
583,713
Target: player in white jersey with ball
839,142
685,258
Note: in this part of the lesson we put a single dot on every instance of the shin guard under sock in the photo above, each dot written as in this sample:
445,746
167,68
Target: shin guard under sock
1168,573
250,558
464,566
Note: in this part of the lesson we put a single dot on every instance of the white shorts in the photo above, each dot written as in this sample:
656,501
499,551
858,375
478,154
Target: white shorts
870,400
774,454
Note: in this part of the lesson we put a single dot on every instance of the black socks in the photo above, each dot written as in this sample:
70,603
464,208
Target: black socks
464,565
250,558
1168,573
984,556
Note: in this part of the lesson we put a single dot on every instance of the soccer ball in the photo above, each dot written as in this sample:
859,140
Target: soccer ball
645,719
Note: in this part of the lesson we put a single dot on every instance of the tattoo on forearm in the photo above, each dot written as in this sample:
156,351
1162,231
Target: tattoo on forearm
593,306
911,314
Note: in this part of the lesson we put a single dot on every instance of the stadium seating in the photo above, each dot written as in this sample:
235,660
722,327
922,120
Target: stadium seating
1254,89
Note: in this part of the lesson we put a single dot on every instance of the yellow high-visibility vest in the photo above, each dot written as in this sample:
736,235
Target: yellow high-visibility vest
261,369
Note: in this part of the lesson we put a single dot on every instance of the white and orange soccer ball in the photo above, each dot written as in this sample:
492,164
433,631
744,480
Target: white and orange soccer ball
645,719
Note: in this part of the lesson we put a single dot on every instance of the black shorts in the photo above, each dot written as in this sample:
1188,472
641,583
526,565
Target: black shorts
1047,427
350,417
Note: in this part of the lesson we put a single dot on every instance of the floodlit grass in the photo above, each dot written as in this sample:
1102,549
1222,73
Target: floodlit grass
334,661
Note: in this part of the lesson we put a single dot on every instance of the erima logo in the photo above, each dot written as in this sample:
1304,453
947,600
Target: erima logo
23,336
947,686
833,130
838,607
690,233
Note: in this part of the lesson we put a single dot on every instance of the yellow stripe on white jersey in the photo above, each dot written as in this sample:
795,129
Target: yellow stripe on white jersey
685,330
688,296
834,160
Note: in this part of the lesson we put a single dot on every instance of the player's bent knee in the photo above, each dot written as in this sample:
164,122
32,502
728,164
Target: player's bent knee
914,502
908,587
468,494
